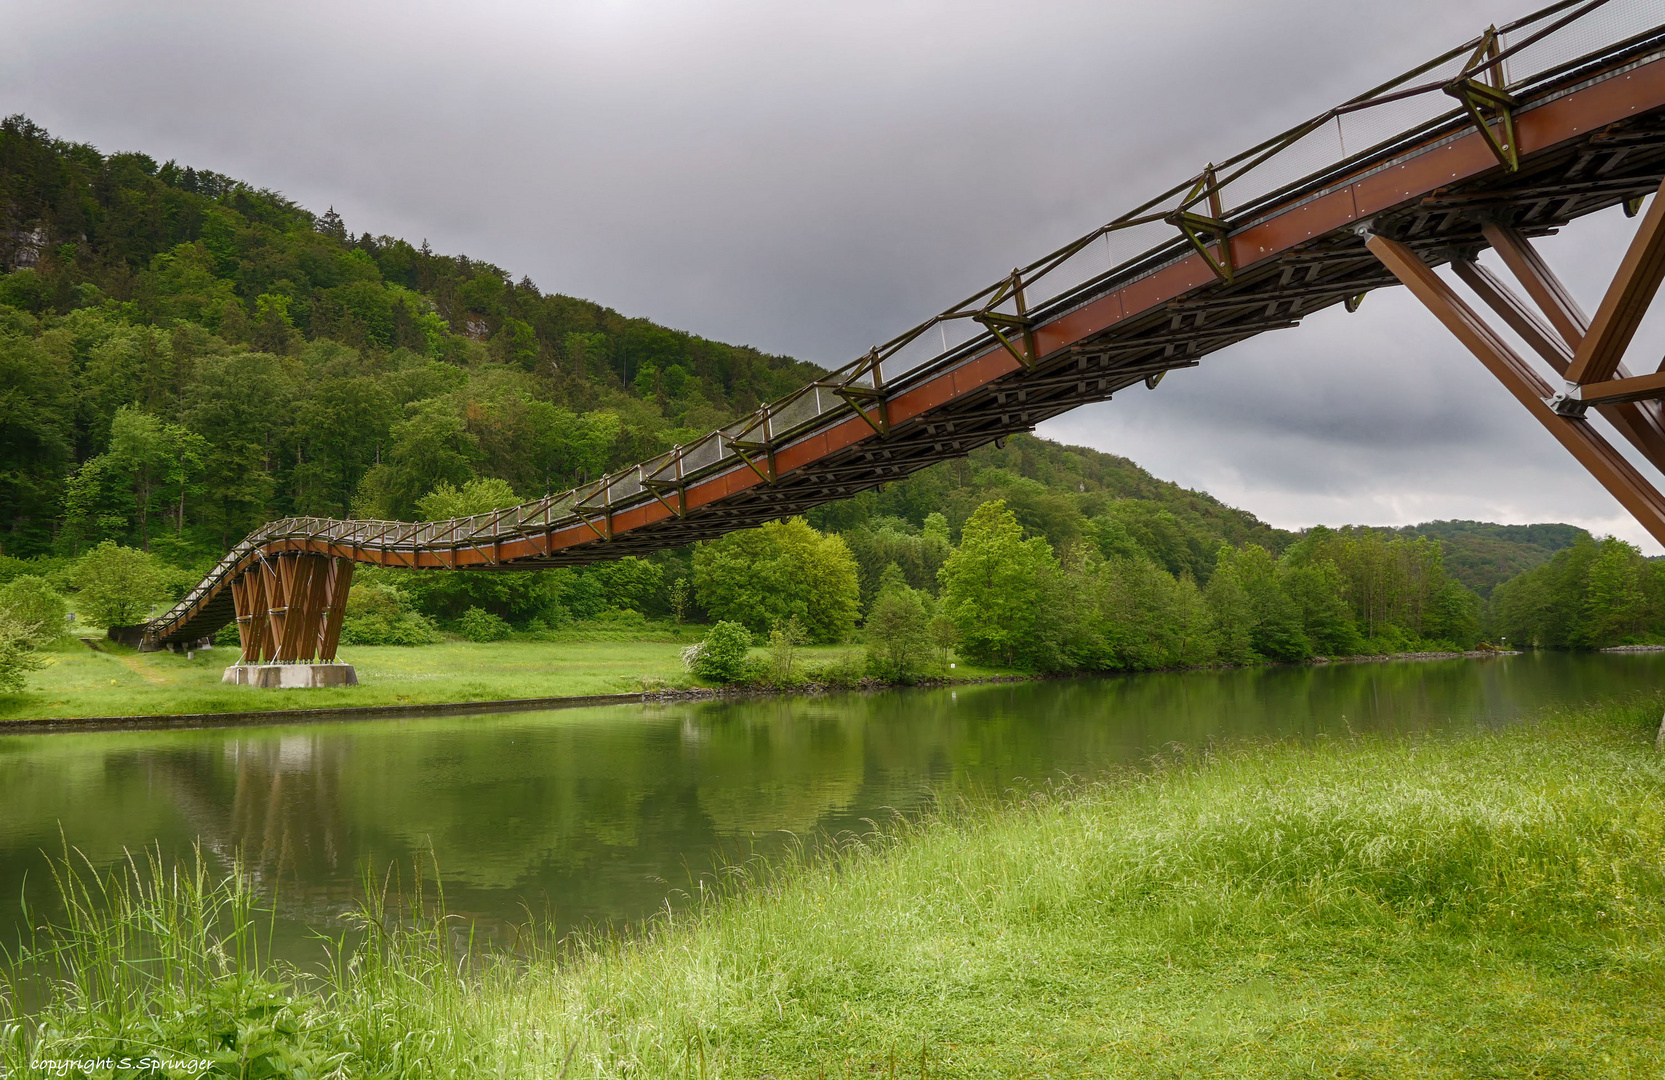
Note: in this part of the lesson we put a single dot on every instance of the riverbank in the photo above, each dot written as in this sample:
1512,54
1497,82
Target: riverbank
86,687
1458,905
115,684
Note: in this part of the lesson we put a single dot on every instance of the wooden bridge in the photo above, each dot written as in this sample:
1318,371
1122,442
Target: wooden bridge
1505,138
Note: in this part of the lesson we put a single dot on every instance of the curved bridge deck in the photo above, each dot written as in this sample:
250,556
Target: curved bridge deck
1513,128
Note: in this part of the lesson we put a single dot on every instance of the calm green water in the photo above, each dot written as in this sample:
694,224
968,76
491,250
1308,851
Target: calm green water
599,815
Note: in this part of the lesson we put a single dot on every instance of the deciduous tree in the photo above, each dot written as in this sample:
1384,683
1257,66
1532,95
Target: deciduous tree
116,584
993,585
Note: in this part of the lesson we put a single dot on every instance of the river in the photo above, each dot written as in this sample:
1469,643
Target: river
596,816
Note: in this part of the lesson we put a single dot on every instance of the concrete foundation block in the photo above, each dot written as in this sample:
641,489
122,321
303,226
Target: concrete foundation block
291,676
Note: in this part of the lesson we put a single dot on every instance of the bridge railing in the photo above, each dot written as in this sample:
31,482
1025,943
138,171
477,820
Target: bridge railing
1194,215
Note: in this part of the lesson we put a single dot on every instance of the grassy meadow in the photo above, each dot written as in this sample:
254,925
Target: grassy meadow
118,681
1457,905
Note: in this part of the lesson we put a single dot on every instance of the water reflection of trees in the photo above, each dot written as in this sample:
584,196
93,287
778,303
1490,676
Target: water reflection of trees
593,814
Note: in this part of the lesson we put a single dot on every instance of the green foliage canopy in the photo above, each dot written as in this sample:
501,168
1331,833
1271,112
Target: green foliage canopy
994,584
761,577
721,657
33,607
898,629
117,584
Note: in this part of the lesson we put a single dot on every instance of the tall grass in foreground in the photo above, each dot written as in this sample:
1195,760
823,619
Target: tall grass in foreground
1475,905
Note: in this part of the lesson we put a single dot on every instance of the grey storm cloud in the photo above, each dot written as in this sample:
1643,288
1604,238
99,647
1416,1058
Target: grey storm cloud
812,178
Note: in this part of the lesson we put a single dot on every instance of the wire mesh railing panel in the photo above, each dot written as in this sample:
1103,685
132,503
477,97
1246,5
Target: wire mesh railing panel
1364,129
1136,241
953,333
1312,152
865,378
1607,25
1092,260
795,413
924,348
701,455
652,465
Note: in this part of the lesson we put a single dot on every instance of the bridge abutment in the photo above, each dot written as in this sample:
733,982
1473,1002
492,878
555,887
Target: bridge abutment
291,676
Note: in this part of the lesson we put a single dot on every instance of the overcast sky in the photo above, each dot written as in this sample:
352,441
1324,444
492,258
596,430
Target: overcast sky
812,178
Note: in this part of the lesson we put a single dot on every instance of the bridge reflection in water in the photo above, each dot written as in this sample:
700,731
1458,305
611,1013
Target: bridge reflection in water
1507,137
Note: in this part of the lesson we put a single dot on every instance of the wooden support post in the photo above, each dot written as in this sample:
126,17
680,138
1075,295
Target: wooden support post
285,612
1627,300
1583,441
1541,284
246,627
289,610
314,604
272,608
252,601
329,630
295,590
1640,423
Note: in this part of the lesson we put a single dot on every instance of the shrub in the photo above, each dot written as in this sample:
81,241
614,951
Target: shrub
898,630
34,606
784,640
50,568
17,657
380,614
841,673
761,577
478,624
118,584
721,657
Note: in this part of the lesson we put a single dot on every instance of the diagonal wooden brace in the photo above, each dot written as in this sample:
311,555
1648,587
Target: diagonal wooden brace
1626,301
1639,422
658,488
1583,441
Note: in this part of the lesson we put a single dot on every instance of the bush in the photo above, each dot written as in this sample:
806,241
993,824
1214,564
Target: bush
721,657
34,606
17,657
478,624
380,614
117,584
841,673
898,630
761,577
50,568
784,640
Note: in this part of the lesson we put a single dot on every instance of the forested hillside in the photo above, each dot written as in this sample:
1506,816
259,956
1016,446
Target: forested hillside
1066,494
184,356
1481,554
